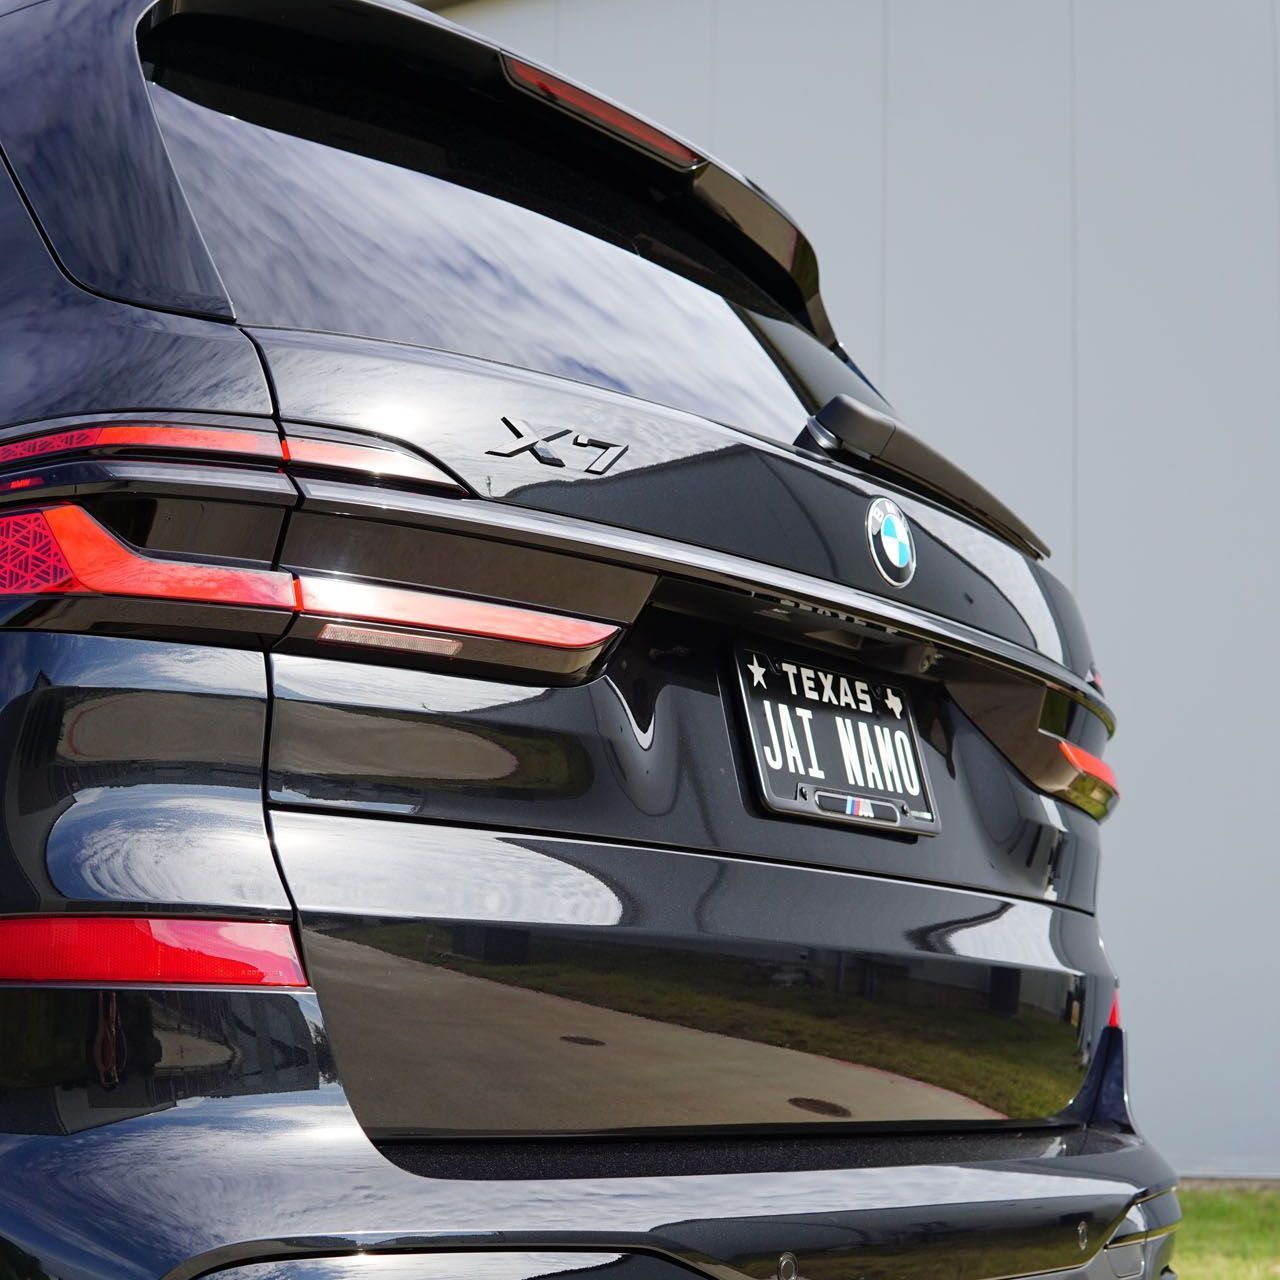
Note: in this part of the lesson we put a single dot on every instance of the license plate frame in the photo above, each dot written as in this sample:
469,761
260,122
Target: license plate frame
792,702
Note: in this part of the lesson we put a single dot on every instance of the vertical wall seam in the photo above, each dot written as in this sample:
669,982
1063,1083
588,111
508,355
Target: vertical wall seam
1275,104
1073,290
713,80
883,373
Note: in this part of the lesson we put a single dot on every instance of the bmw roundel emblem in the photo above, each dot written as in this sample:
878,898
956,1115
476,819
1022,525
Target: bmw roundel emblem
889,537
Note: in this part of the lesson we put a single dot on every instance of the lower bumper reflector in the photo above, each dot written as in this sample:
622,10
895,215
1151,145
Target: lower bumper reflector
115,949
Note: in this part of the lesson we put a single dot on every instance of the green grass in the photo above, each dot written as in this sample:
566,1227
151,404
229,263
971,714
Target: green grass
1229,1234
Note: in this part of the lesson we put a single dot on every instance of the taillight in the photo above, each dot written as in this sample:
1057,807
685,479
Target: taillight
366,460
143,436
1093,787
74,498
1090,765
371,459
114,949
62,550
1114,1019
580,102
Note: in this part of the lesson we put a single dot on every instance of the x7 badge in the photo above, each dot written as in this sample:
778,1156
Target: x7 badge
529,440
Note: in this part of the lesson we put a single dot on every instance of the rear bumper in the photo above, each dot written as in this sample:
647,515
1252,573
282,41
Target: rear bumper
237,1144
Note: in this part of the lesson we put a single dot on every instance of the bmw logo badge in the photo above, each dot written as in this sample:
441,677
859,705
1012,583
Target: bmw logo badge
889,537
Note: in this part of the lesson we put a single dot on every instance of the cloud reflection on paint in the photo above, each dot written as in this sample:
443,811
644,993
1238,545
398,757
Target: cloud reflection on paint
310,237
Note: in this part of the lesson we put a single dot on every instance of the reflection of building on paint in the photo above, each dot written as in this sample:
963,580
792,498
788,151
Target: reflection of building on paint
128,1053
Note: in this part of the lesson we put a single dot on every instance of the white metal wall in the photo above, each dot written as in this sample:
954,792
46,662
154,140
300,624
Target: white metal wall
1050,231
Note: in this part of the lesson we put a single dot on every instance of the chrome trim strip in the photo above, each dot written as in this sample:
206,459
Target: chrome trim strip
663,555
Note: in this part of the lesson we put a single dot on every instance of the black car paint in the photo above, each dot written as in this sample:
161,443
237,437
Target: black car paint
115,749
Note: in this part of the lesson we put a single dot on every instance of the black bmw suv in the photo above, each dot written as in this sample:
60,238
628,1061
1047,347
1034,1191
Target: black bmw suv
515,762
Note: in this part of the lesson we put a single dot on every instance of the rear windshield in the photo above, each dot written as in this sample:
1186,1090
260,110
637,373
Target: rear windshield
394,207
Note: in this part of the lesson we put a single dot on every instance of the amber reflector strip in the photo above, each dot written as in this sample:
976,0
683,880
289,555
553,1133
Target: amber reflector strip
111,949
367,602
142,436
1087,763
573,98
64,549
366,459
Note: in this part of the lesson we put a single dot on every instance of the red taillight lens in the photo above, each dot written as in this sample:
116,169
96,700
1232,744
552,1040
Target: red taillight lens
31,561
1089,765
365,460
1114,1019
42,446
111,949
367,602
374,459
579,101
194,439
64,549
256,444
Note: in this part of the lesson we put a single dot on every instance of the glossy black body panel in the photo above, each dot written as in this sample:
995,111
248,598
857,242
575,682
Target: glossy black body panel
580,987
132,775
65,351
651,752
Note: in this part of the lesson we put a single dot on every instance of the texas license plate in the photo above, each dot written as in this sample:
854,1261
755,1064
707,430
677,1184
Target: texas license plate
834,743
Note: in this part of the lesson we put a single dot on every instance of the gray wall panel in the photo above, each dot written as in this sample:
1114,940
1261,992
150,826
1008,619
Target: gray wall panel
1076,292
526,25
1179,338
977,275
777,80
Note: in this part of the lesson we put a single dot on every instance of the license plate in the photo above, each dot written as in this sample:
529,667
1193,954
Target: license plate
834,743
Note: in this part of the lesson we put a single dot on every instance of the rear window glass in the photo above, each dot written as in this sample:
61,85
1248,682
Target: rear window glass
326,215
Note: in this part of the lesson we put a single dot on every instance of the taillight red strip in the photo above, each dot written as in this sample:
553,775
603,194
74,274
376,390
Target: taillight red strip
78,555
1087,763
1114,1019
115,949
580,101
367,602
204,439
379,461
143,436
366,459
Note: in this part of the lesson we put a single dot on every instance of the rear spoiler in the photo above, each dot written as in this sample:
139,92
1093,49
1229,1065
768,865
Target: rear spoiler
731,197
870,436
77,130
